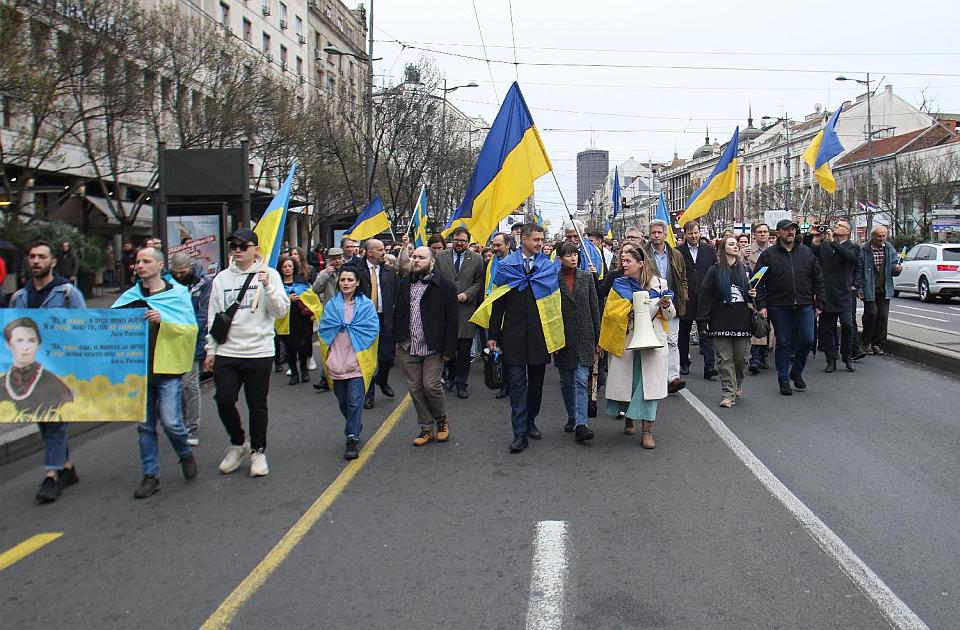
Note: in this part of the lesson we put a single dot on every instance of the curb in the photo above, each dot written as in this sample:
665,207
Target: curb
25,441
928,356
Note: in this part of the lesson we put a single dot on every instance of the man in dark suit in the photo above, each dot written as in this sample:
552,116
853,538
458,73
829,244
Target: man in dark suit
465,269
698,258
379,283
516,329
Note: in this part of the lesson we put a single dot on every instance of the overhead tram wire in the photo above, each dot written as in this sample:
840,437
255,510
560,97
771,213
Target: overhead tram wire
513,36
493,83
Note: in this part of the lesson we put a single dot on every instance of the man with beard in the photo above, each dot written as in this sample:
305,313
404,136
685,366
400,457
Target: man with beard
425,326
44,289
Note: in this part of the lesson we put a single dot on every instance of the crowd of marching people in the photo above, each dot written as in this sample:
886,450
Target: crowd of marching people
620,318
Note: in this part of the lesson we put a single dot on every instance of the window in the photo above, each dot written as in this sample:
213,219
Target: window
266,43
283,15
951,254
247,31
6,116
913,253
299,24
166,86
299,67
225,15
283,57
149,86
340,23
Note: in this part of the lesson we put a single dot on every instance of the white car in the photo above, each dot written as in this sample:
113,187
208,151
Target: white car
930,270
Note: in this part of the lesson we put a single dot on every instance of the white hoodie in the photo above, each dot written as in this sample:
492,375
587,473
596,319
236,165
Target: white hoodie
251,333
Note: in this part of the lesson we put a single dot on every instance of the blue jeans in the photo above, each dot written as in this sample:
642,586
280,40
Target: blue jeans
163,403
789,323
525,385
56,452
350,394
573,386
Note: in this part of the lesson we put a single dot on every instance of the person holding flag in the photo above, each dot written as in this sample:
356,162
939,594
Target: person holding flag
295,329
523,317
242,357
349,336
500,245
418,225
824,147
172,343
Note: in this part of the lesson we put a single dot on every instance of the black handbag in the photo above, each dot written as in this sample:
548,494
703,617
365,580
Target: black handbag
492,369
220,327
759,325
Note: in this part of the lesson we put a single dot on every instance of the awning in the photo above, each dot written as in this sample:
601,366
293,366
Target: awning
144,216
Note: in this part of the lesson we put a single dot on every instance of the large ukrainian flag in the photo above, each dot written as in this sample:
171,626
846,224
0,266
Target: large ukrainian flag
308,298
372,221
825,146
177,337
722,182
616,315
364,331
511,159
419,220
544,282
269,228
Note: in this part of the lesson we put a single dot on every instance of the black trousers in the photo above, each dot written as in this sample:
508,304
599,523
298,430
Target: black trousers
525,384
828,334
458,368
875,316
229,375
706,346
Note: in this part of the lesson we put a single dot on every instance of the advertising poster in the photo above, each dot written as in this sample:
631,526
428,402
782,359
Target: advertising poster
73,365
199,237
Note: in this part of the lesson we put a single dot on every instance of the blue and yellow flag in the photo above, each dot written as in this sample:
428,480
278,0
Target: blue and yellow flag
363,329
825,146
607,230
372,221
269,228
664,215
588,249
721,182
543,281
616,200
177,337
308,298
491,273
617,313
418,223
511,159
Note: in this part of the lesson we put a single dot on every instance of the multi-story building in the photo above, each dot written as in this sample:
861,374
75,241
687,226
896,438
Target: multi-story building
592,167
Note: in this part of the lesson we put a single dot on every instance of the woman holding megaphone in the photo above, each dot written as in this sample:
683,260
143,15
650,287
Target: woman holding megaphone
634,331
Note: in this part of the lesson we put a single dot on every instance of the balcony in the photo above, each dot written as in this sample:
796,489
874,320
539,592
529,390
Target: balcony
266,9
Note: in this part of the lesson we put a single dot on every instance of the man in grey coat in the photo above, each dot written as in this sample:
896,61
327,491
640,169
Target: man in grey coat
465,269
881,264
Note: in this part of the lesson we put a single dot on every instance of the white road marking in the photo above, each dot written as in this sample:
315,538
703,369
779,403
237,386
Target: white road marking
936,319
891,607
917,308
547,577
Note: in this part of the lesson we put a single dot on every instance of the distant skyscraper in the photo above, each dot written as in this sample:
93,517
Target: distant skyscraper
592,167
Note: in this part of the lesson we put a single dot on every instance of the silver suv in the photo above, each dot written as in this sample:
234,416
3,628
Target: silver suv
930,270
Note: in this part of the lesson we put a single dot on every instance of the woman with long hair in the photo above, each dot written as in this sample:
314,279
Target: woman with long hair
724,312
296,330
303,265
637,379
349,332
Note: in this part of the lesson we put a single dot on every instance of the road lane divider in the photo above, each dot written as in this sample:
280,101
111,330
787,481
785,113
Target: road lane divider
547,577
896,612
24,549
224,614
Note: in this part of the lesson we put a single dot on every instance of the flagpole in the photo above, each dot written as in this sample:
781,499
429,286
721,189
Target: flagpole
583,245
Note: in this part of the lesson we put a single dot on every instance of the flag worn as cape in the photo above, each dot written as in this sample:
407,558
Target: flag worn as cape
618,310
177,337
544,282
363,329
308,298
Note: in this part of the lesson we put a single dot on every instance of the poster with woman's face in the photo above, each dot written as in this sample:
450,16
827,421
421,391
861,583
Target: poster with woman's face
198,236
71,365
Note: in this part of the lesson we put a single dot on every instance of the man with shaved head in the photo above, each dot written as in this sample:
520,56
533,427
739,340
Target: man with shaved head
425,325
379,283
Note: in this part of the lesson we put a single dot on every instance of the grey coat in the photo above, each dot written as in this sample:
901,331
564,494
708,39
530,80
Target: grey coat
866,278
469,281
581,320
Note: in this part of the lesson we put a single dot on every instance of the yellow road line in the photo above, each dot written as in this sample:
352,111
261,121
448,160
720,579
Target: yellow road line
27,547
224,614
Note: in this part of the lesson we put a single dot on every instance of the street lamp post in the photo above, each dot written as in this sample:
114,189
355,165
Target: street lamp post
443,111
869,147
786,128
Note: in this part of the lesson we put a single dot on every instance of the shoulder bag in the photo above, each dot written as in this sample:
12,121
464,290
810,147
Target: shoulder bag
220,327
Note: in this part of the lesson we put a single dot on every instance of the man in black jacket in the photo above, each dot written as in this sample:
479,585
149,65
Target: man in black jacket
379,283
425,326
839,260
786,293
697,258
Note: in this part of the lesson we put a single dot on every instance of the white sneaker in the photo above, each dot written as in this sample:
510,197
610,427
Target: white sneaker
288,372
258,465
311,364
234,457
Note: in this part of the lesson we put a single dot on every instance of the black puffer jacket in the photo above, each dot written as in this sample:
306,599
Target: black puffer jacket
793,278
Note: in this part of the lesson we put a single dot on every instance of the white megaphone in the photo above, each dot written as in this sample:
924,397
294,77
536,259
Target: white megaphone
644,338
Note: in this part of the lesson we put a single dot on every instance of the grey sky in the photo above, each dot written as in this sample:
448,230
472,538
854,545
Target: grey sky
647,113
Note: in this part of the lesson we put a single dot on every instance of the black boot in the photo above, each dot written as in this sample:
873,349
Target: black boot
304,373
849,363
294,375
831,366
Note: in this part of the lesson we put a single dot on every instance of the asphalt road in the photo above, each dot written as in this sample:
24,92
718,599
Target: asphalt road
937,315
684,536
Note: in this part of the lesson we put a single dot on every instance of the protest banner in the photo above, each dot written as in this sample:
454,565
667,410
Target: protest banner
71,365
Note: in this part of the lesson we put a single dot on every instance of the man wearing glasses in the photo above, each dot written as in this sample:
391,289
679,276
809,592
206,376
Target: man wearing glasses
464,268
245,357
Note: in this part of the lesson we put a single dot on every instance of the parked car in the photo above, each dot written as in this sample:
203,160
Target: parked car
930,270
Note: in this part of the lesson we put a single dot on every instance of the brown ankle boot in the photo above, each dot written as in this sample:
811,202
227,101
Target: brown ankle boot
646,435
629,427
425,437
443,430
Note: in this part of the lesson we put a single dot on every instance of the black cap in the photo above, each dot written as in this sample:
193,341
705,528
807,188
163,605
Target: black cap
243,235
785,223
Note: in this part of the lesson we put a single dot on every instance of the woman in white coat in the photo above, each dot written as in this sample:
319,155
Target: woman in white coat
637,379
